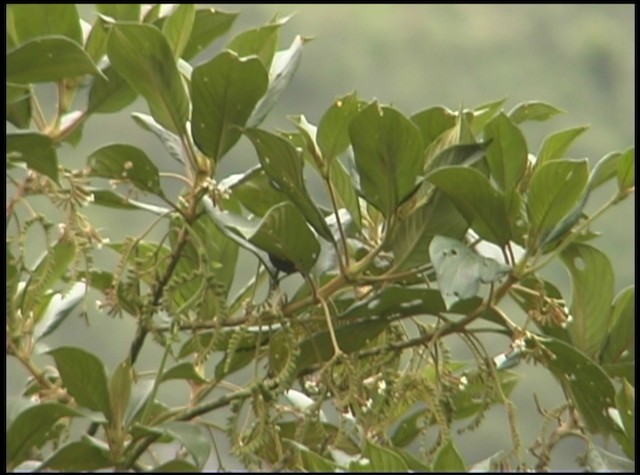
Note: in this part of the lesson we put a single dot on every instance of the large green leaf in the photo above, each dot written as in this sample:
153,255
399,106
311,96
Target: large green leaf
110,93
459,154
31,21
346,195
333,129
49,269
284,166
556,187
556,144
18,111
58,309
189,435
225,91
626,170
284,233
433,122
621,331
254,190
484,113
379,460
460,271
120,11
284,65
396,301
48,58
36,150
84,376
208,25
261,42
351,337
484,207
126,162
411,237
589,386
592,293
143,57
507,152
31,427
388,150
533,110
79,456
449,459
177,27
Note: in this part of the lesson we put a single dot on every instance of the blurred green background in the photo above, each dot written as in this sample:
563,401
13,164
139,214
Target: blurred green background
580,58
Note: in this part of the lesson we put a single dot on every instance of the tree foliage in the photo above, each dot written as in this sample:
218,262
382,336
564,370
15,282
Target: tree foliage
391,270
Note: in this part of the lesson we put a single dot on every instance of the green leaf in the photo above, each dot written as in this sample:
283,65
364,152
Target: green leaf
626,170
261,42
31,21
36,150
111,94
142,56
346,195
412,236
408,428
171,141
190,435
589,386
120,393
237,228
183,371
48,58
604,170
208,25
460,271
433,122
388,152
484,207
396,301
351,337
18,111
120,11
31,428
533,110
449,459
177,27
333,129
254,190
96,44
284,166
225,91
626,404
50,268
283,67
59,308
126,162
284,234
84,376
620,336
460,154
592,285
311,461
556,187
79,456
111,199
556,144
381,460
482,114
507,152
